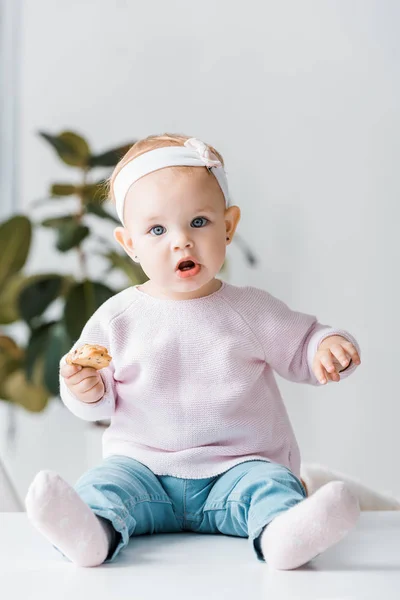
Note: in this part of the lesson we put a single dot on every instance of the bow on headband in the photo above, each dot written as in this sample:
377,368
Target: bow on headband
204,152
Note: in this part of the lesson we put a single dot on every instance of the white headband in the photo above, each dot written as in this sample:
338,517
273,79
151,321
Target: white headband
194,153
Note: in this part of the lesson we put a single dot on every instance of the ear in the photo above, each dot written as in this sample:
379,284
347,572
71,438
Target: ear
232,218
123,237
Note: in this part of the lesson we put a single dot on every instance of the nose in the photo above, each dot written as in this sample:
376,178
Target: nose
182,240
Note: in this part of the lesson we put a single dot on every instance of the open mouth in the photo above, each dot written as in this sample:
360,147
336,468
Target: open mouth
187,268
186,265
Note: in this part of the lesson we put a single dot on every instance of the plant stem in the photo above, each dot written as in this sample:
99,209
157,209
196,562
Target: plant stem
81,254
250,257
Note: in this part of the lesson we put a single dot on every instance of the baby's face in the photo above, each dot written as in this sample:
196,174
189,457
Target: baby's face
171,214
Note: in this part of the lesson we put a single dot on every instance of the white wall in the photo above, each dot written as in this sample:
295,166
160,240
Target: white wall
302,99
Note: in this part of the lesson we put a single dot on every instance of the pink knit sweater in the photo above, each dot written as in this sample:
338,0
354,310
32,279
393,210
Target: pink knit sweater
191,390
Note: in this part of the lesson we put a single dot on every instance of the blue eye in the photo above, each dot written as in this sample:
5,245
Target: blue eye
157,227
198,219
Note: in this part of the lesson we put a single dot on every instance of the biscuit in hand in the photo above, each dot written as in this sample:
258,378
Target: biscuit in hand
89,355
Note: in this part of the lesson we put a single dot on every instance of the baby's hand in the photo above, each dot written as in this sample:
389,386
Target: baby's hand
85,383
334,354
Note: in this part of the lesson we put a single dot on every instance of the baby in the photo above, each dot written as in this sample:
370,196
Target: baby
199,439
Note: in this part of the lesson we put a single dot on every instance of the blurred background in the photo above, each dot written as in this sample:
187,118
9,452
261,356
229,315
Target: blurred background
301,99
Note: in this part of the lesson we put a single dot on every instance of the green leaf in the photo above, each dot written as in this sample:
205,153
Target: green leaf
99,211
46,345
11,359
31,396
70,235
15,242
72,148
63,189
9,294
94,192
81,302
38,294
58,344
57,222
36,347
109,158
132,270
10,347
68,282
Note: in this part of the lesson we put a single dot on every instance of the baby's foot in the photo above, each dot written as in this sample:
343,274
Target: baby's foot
296,536
57,511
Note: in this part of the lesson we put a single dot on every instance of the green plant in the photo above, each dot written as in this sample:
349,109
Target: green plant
29,371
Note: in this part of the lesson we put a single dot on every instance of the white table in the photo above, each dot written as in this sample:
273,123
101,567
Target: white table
366,565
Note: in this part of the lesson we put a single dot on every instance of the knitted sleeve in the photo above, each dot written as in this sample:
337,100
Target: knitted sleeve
96,331
289,338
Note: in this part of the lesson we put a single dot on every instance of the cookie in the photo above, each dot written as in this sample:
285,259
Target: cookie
89,355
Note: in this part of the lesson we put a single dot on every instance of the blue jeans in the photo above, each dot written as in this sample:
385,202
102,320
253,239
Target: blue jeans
239,502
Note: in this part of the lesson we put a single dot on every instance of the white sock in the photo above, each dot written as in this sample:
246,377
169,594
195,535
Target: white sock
296,536
58,512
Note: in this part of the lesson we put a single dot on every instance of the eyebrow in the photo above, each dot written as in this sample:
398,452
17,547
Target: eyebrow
198,210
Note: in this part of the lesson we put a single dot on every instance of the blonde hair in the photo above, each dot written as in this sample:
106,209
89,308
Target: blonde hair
152,142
